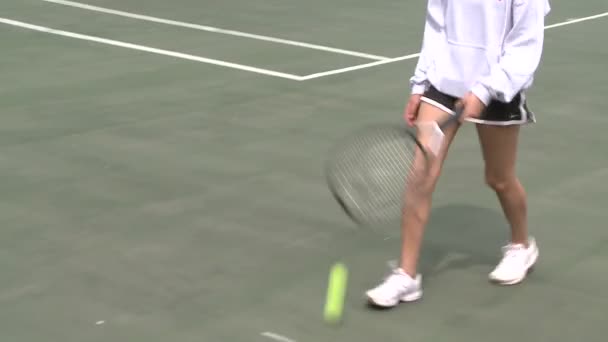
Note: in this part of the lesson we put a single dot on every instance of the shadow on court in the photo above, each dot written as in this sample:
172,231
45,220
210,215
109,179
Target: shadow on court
461,237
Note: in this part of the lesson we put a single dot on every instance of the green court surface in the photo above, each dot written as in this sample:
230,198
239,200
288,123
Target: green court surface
171,196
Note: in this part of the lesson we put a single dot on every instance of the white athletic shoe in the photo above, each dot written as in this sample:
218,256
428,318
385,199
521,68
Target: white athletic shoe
517,260
397,287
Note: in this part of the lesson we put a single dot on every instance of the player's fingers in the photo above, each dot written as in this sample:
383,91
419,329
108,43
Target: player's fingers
411,112
410,118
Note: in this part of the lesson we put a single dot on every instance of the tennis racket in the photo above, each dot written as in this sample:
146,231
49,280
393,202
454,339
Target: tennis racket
370,171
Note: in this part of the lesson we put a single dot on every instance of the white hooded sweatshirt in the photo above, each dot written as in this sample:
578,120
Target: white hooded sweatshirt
489,47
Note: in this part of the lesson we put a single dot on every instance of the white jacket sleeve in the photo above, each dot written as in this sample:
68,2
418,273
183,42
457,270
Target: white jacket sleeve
521,54
433,31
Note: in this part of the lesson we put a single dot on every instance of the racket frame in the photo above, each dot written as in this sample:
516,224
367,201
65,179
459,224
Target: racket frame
452,119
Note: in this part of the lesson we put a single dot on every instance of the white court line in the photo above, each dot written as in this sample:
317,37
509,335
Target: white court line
216,30
415,55
574,21
149,49
357,67
276,337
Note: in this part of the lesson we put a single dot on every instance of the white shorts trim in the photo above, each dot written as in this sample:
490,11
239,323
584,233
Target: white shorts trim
496,123
522,110
437,104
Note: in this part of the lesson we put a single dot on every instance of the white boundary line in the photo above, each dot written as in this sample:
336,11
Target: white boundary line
215,29
574,21
149,49
241,66
415,55
357,67
276,337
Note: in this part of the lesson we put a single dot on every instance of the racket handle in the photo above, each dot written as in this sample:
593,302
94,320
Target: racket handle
435,136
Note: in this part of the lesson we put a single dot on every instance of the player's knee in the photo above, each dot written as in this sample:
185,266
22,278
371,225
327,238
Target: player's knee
500,183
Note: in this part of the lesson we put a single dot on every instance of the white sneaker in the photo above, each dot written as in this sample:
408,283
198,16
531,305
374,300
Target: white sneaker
397,287
516,262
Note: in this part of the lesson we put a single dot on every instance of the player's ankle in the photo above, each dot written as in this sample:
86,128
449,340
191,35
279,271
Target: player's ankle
523,241
409,271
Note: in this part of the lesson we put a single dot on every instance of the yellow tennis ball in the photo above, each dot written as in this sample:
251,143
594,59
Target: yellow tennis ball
336,291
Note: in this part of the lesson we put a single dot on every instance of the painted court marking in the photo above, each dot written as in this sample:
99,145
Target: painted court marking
358,67
577,20
415,55
235,65
149,49
215,29
276,337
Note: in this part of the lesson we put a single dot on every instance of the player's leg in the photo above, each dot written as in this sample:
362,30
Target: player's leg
417,206
499,137
499,148
404,283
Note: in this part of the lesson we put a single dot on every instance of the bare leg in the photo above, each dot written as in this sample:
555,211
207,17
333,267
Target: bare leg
418,198
499,148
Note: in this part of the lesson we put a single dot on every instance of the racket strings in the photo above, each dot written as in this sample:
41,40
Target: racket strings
373,171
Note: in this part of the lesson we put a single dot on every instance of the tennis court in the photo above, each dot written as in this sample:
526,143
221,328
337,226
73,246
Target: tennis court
162,176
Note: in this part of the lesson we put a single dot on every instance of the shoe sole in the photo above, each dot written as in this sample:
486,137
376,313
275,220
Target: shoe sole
516,281
410,297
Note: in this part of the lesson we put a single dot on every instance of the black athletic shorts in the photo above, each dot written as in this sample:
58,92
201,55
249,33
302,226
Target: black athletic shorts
515,112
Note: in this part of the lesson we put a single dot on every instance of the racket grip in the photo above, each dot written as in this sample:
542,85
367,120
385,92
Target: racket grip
435,135
436,140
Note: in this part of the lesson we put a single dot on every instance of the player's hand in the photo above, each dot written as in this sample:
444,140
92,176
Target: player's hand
411,110
473,107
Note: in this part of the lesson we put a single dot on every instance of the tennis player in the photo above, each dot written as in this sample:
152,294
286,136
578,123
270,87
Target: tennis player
480,54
